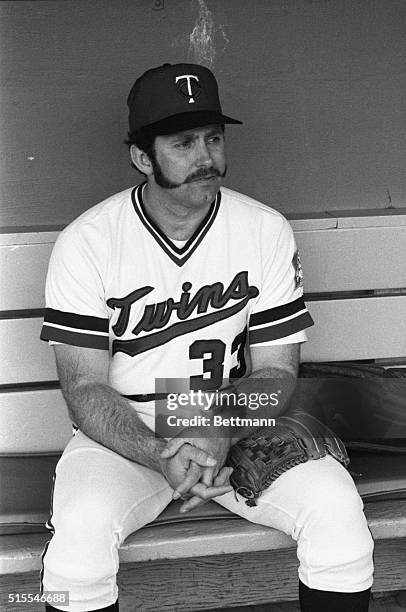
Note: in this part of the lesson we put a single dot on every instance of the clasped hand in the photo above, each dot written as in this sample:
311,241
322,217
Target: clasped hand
194,467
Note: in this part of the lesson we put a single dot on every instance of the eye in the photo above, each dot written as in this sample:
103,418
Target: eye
183,144
215,139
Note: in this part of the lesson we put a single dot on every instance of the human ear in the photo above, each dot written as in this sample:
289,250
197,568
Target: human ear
141,160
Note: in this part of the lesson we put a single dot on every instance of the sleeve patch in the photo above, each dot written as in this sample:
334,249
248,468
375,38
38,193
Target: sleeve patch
297,265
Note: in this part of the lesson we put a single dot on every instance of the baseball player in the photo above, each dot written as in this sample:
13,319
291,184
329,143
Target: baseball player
182,283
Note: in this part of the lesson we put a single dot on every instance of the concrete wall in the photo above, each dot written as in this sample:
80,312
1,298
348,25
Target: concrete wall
318,84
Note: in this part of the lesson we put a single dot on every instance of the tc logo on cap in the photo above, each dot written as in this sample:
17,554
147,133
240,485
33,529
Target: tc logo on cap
188,86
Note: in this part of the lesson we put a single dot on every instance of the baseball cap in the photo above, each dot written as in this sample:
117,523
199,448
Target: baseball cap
175,97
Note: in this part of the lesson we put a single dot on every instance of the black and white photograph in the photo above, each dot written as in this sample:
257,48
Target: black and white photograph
203,305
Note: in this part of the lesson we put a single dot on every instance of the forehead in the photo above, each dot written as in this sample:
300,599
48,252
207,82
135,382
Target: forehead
206,130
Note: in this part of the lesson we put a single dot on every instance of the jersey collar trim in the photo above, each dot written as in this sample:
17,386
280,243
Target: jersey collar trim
178,255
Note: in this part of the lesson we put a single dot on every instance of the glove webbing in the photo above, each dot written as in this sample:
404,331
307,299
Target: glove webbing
259,450
259,460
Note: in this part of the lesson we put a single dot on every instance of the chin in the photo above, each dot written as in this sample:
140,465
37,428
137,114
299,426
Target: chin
196,194
206,190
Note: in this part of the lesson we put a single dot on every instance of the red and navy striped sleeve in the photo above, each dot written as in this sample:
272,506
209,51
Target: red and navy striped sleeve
76,312
280,314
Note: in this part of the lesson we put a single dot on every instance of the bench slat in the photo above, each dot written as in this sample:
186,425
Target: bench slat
24,358
23,273
353,259
351,329
38,419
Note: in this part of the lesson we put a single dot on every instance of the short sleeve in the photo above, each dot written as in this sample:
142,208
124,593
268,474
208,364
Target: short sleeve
280,315
76,312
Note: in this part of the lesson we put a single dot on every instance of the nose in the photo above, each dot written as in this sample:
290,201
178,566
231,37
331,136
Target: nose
203,156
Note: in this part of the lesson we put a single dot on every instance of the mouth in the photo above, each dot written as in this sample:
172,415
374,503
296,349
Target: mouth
209,178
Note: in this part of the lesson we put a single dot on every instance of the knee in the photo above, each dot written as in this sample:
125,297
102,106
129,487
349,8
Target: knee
336,499
83,522
84,538
84,546
337,511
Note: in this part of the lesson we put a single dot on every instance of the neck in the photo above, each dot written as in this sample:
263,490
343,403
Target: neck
177,221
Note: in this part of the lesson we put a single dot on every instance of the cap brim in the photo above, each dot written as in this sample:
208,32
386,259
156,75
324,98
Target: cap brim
187,121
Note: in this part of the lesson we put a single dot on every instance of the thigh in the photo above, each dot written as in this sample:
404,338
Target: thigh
93,481
318,505
287,503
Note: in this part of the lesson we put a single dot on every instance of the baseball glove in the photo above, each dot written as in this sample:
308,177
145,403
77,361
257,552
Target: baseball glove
259,459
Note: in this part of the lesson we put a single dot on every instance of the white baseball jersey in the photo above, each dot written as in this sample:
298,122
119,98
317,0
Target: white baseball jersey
168,310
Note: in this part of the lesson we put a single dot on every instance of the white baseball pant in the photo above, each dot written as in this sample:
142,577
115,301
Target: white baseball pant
100,498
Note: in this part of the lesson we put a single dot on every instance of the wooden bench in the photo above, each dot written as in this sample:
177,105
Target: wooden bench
355,281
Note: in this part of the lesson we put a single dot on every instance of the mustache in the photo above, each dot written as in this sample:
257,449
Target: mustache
204,173
166,183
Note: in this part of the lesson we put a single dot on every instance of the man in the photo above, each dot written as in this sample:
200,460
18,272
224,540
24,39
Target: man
179,278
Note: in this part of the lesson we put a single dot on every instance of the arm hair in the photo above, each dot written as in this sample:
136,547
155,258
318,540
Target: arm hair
100,411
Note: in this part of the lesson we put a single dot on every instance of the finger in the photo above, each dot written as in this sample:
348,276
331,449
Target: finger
192,477
192,503
207,476
172,448
205,492
223,477
189,451
208,494
198,455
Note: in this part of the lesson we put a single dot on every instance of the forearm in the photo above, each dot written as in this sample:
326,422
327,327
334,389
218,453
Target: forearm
106,417
277,384
264,394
